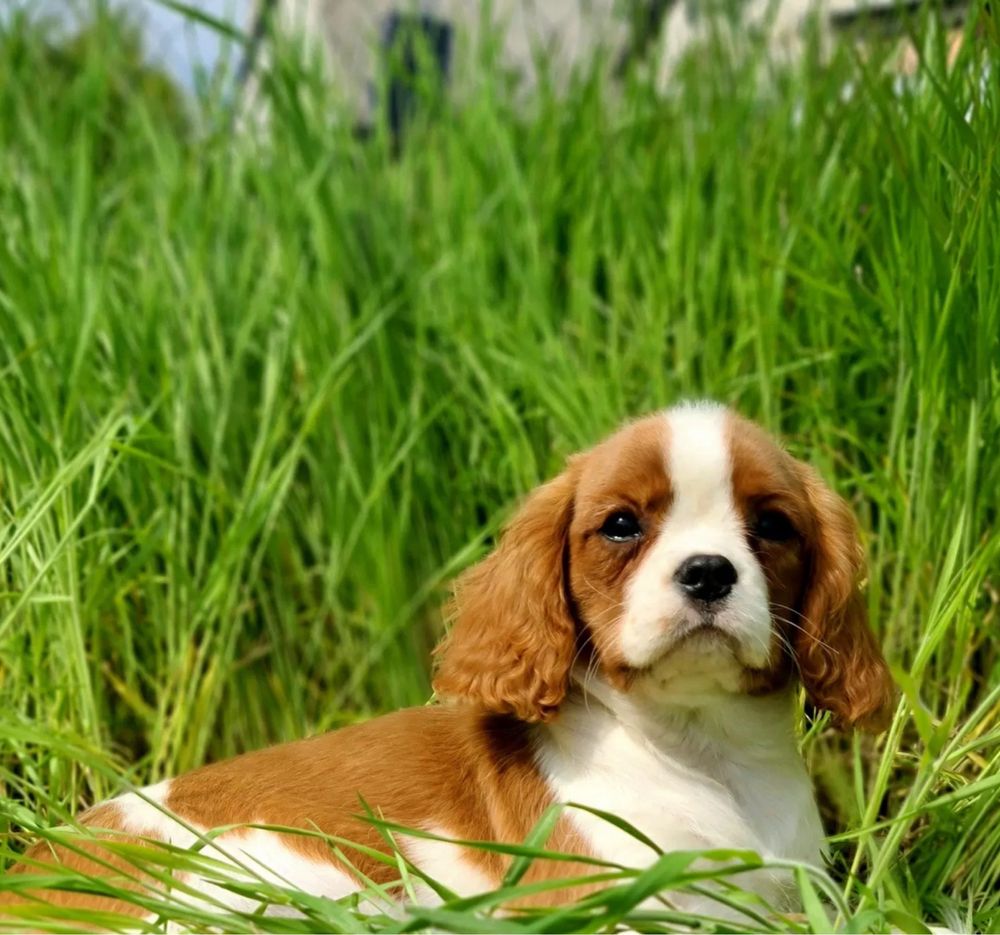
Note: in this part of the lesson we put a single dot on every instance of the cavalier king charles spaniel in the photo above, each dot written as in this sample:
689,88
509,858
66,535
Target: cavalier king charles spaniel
634,644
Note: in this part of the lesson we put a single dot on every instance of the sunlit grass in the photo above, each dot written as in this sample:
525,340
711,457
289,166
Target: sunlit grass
262,393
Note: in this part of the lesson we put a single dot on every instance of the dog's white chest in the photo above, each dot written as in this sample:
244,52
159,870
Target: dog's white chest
692,796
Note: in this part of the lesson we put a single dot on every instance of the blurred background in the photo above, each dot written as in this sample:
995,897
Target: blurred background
190,41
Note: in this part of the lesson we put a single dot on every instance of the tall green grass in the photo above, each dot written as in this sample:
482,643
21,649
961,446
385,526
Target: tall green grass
264,391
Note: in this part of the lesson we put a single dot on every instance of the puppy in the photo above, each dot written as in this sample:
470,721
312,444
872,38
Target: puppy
633,644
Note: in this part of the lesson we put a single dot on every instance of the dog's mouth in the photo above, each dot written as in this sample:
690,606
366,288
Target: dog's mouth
704,637
704,628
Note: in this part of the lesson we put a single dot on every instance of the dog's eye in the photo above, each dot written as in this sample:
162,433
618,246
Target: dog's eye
774,526
621,526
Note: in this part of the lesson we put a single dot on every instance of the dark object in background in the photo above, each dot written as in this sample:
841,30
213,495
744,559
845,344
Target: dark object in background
416,48
647,18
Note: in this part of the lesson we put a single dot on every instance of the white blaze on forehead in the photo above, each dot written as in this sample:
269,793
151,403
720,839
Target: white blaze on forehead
702,519
698,462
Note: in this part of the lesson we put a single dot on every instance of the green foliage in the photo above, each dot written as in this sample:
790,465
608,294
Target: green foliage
263,393
94,84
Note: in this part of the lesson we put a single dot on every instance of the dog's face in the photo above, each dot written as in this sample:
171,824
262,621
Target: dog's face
686,560
687,553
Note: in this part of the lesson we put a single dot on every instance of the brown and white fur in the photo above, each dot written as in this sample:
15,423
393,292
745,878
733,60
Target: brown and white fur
585,664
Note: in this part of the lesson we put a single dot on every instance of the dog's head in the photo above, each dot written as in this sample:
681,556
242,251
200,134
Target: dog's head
688,552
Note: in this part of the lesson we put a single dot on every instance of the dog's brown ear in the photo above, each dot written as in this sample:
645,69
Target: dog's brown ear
839,660
513,636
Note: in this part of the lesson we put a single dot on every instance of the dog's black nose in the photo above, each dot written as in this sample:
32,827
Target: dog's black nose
706,577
